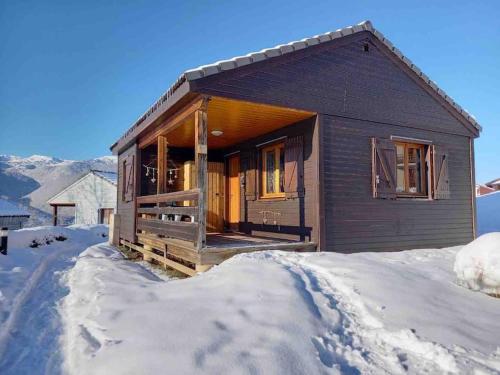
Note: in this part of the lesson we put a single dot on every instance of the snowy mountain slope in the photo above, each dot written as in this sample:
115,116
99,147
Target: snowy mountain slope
33,180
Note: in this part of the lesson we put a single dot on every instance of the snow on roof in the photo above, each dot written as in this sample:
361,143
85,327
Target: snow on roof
236,62
10,209
110,176
494,182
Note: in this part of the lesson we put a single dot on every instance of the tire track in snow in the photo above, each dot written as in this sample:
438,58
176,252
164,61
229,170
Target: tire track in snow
12,330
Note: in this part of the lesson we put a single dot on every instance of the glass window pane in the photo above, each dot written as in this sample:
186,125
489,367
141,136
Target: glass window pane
270,163
282,170
400,168
414,170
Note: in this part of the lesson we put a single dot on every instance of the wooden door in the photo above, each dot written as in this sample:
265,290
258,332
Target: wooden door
104,214
215,204
233,190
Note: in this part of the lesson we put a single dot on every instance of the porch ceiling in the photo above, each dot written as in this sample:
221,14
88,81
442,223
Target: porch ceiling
238,120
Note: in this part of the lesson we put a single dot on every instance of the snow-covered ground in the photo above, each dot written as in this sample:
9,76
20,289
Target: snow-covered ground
279,313
30,289
66,310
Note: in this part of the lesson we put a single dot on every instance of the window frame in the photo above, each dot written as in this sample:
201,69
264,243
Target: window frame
279,149
424,171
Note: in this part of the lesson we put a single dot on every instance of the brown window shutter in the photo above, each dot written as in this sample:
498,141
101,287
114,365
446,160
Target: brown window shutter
440,172
123,179
249,164
294,167
383,168
129,175
428,167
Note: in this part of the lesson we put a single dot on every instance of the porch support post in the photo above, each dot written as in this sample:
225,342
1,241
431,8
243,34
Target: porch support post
54,215
162,165
200,133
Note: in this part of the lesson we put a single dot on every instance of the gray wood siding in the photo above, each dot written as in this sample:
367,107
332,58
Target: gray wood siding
297,218
339,78
356,221
126,210
362,95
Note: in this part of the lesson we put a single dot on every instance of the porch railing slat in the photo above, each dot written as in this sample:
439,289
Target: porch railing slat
182,230
170,210
186,195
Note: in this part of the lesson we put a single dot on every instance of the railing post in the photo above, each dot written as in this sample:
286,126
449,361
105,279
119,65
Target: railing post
201,149
54,215
162,165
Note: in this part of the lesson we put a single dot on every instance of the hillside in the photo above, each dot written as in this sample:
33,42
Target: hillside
32,180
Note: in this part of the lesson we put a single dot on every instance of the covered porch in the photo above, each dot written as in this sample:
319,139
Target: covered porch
195,185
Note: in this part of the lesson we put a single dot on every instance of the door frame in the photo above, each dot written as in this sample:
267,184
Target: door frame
227,158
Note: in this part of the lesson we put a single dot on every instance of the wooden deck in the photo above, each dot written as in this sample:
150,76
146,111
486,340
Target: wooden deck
184,257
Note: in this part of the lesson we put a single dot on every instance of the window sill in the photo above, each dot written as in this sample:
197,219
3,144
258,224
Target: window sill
271,198
414,197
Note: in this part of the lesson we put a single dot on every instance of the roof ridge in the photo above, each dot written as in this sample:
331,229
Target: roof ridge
282,49
101,171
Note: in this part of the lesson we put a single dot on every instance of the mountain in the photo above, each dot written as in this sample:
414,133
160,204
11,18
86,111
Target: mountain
33,180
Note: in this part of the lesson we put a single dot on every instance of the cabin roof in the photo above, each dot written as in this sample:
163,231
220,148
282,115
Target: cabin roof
10,209
282,49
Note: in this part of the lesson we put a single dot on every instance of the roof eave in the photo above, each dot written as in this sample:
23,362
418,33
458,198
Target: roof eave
181,87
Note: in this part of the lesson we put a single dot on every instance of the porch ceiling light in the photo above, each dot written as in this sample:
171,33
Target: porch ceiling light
217,133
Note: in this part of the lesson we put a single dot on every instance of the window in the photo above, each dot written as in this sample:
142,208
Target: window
409,169
273,171
411,176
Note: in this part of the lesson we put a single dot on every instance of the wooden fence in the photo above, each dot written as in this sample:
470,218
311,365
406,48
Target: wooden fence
165,215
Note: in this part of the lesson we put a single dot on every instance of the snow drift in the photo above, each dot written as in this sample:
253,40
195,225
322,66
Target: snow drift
279,313
477,265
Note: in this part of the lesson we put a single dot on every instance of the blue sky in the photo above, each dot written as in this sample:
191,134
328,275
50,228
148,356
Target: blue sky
75,74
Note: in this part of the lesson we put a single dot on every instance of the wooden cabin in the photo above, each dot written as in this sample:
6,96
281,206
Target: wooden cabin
335,143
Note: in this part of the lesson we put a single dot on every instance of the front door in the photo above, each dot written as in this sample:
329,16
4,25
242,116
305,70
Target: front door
233,190
215,204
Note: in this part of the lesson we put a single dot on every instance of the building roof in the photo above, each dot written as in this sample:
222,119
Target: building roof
109,177
10,209
269,53
483,190
494,182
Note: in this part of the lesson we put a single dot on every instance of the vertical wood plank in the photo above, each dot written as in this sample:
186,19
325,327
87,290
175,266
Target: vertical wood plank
200,128
162,165
473,185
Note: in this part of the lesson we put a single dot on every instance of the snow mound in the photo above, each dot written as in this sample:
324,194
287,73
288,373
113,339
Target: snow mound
477,265
278,313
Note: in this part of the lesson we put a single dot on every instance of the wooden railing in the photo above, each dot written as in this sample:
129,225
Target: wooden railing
159,214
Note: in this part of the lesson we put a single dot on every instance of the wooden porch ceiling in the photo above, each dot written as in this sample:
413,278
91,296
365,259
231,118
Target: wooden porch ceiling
238,120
